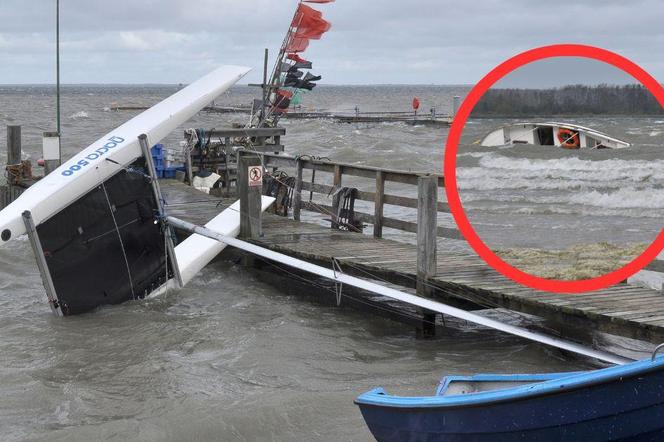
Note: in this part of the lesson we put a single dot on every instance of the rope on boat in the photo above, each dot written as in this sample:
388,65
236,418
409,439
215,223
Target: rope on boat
117,229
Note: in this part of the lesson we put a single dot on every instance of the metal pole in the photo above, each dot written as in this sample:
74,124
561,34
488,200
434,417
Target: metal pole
31,230
167,229
57,64
265,89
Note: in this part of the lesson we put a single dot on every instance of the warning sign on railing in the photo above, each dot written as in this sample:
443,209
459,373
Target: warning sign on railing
255,175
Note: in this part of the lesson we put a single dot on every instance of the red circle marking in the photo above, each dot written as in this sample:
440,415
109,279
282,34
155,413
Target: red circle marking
449,169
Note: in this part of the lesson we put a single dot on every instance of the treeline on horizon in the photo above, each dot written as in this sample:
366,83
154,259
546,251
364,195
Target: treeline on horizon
632,99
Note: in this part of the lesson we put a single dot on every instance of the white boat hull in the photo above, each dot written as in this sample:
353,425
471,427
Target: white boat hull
567,135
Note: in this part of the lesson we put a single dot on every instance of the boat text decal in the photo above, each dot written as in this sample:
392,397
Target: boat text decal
112,143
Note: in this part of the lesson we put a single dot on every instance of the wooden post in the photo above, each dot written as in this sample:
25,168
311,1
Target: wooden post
250,197
13,145
8,193
427,214
297,192
190,172
379,202
227,173
338,173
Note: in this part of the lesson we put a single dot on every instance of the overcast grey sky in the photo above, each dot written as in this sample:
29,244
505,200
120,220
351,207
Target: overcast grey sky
371,41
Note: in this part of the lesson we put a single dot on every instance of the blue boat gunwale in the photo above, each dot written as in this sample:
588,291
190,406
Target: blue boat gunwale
378,397
524,377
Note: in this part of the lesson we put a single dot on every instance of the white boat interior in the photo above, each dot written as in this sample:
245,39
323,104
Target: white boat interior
569,136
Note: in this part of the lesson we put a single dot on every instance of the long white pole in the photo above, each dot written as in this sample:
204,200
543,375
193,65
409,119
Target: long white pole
398,295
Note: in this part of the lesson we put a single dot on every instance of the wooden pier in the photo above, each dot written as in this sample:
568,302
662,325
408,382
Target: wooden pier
423,266
458,278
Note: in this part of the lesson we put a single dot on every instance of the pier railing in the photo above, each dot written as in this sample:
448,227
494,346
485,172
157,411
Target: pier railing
426,228
378,196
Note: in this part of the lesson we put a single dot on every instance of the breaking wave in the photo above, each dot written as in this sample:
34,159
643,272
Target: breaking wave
612,184
79,115
500,172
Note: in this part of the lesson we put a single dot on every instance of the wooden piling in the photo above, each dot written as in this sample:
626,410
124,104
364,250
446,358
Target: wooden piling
297,191
427,220
338,171
250,197
13,145
379,202
10,192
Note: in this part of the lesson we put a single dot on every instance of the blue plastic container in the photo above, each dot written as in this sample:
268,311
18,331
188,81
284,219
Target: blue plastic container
158,151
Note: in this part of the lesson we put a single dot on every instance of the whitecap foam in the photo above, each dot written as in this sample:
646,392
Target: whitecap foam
79,115
626,198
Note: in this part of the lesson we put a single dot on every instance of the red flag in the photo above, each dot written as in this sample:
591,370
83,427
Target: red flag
297,44
296,58
416,103
309,23
318,1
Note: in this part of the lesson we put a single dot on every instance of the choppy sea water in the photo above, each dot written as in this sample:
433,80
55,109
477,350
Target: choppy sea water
231,358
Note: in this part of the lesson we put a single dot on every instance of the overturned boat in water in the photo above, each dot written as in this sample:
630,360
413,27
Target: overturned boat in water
565,135
96,224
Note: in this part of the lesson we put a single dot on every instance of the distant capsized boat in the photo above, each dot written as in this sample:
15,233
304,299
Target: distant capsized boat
623,402
568,136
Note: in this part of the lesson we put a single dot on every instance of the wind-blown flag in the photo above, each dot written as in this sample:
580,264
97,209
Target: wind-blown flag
310,23
296,44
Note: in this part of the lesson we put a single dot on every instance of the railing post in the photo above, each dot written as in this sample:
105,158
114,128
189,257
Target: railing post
338,173
427,205
297,192
250,194
379,202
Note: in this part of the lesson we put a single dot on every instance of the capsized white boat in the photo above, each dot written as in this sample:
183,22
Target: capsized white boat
96,224
566,135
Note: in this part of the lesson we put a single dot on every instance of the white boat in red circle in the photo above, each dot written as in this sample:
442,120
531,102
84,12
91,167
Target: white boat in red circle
565,135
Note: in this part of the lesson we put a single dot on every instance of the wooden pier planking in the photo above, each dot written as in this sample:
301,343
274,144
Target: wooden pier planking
624,310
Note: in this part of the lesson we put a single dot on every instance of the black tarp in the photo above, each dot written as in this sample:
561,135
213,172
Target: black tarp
100,253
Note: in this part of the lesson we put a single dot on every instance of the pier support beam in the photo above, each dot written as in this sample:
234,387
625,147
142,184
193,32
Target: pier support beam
250,187
427,224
